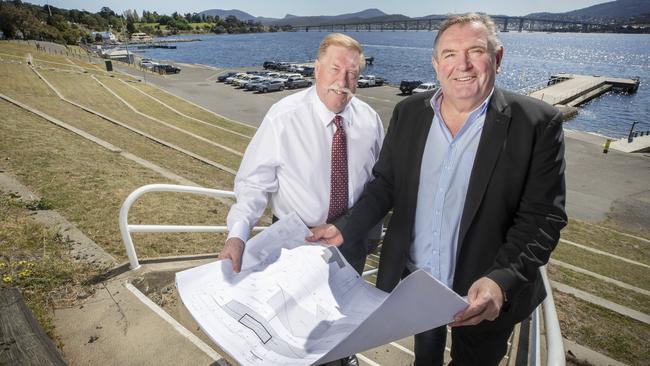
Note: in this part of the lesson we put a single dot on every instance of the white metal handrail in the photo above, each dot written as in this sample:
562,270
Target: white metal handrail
555,355
127,229
554,344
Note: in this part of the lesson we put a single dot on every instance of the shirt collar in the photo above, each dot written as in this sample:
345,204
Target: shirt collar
436,101
325,115
472,119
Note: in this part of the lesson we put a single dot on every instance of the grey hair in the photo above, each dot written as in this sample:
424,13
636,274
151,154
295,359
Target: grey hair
339,39
493,41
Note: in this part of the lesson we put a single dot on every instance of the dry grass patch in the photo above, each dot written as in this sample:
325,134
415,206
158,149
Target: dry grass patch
87,184
22,84
609,291
19,82
152,108
36,260
612,334
607,240
193,111
606,266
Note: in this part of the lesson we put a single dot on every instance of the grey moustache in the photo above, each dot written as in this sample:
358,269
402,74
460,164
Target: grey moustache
340,90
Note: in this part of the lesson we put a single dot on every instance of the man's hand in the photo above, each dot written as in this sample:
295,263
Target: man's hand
233,250
485,299
327,234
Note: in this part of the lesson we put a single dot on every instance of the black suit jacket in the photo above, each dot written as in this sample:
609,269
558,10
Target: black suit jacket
514,208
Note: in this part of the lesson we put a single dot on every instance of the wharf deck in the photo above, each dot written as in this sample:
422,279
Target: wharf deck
573,90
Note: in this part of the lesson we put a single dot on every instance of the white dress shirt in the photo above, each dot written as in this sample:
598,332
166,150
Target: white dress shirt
289,160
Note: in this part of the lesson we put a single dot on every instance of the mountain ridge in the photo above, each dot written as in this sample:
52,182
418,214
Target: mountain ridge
610,10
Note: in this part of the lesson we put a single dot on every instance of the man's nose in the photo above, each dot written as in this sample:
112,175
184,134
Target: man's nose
342,78
464,62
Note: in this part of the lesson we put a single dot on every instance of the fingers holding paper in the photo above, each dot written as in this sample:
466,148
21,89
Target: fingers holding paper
326,234
485,299
233,250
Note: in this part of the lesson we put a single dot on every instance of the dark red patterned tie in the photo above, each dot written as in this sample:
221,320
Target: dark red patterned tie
339,177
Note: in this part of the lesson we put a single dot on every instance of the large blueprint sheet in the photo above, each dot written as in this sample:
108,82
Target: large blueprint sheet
295,303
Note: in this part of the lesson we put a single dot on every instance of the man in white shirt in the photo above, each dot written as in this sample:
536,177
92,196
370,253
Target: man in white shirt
313,153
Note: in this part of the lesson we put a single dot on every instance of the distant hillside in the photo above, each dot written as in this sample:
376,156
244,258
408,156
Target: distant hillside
296,20
241,15
609,10
365,15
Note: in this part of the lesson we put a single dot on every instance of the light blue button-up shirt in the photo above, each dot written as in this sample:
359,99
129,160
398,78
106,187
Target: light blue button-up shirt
444,177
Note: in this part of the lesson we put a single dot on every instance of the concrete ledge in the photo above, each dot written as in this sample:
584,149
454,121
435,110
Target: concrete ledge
583,355
639,144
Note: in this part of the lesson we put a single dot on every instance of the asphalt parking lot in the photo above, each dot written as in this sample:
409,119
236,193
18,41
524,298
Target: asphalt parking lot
198,84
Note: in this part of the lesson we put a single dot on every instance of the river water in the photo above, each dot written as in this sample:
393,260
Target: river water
529,60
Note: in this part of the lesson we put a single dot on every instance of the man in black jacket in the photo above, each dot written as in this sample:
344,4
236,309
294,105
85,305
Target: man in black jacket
475,178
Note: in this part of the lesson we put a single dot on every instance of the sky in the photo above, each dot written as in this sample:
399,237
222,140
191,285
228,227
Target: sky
279,8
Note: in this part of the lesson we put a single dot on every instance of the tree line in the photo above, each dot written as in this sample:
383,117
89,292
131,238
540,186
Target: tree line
49,23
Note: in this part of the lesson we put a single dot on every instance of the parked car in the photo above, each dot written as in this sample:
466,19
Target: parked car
284,78
297,82
407,86
239,82
269,65
425,87
237,76
307,71
222,78
254,85
273,85
282,66
166,69
147,63
369,80
244,82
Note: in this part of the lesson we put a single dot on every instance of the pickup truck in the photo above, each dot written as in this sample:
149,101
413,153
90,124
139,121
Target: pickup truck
369,80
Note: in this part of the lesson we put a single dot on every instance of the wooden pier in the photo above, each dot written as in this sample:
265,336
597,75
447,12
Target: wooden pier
568,91
571,90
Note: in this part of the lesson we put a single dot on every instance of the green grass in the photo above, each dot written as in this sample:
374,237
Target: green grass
153,108
610,267
609,291
607,240
87,184
19,82
27,88
193,111
191,143
35,260
614,335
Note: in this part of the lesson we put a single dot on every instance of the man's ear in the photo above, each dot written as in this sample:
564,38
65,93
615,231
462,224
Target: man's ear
316,68
434,63
499,57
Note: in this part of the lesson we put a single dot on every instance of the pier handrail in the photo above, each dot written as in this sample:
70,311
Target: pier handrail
554,343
